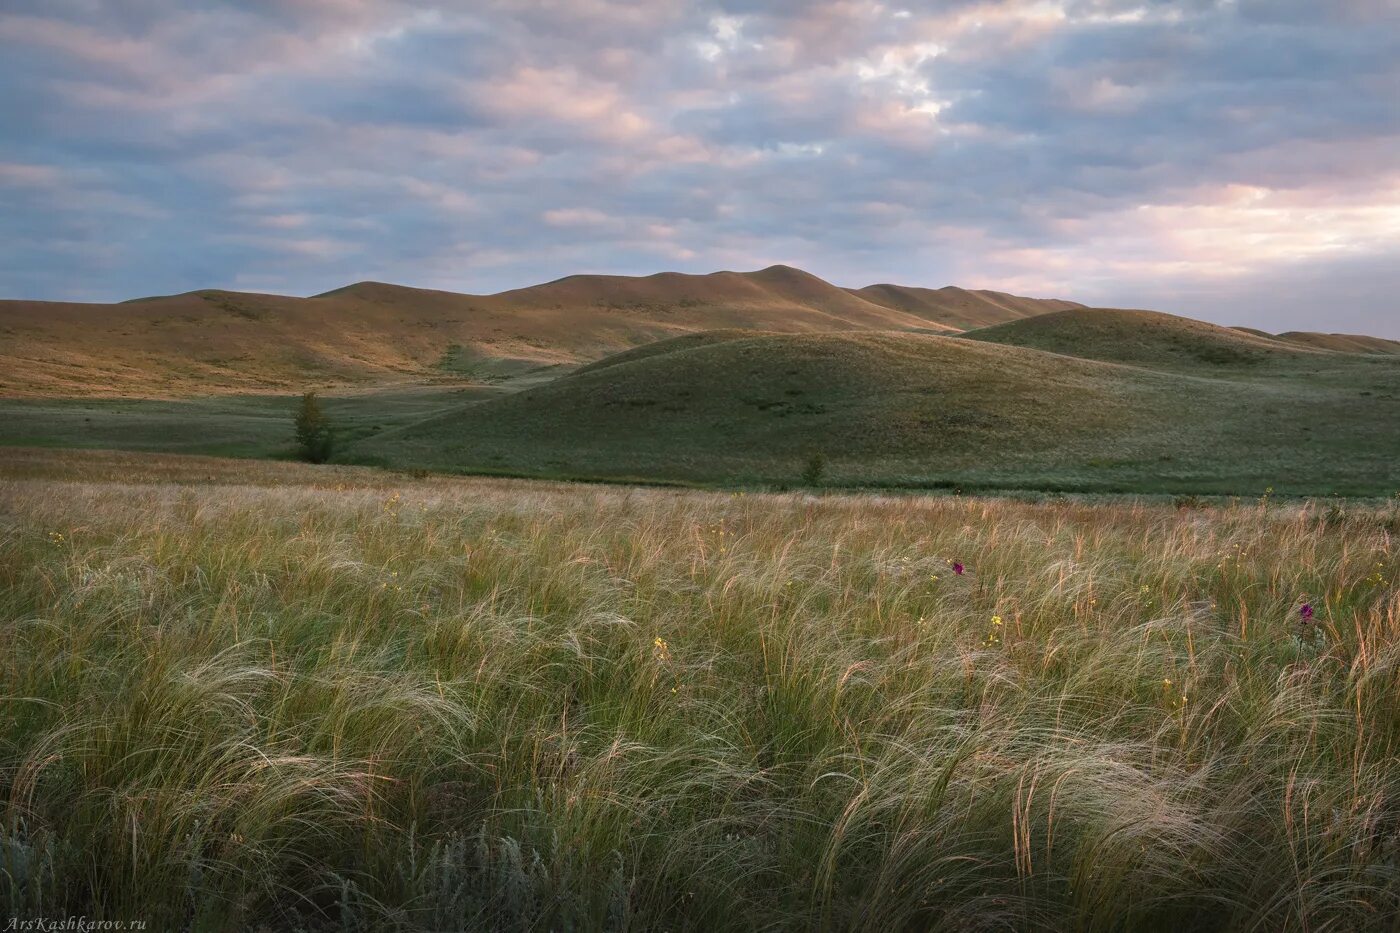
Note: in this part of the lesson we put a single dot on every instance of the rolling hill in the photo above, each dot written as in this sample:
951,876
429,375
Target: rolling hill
1345,343
721,378
370,333
1149,339
959,308
912,409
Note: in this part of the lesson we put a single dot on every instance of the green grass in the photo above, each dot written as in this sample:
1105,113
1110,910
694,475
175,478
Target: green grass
1153,340
1084,400
463,362
908,410
241,694
658,348
233,426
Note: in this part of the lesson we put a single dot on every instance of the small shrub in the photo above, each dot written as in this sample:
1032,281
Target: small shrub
315,436
812,473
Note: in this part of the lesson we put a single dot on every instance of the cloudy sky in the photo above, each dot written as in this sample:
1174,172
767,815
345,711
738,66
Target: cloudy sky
1235,160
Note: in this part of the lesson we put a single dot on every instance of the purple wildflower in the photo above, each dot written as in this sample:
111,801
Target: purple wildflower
958,568
1306,611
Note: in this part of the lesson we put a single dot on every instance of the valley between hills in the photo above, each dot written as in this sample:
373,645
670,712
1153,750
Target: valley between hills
721,379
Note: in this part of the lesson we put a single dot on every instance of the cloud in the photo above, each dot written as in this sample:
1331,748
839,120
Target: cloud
1202,156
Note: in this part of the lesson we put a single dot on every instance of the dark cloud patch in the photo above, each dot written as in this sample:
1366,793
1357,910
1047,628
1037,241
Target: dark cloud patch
1194,154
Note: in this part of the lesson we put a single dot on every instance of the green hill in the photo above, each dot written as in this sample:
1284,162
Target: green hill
671,345
1148,339
911,409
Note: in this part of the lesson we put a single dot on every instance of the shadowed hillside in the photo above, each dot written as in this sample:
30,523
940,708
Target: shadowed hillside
672,345
1145,338
899,408
370,333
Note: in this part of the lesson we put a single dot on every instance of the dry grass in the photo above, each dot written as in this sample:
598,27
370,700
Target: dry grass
247,693
223,343
1343,343
960,308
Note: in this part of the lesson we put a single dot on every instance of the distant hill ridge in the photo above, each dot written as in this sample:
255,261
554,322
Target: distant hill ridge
961,308
214,341
1149,339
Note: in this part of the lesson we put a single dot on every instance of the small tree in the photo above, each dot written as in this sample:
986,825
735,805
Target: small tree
315,436
812,472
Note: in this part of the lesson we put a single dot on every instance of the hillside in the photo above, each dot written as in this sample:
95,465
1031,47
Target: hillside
899,408
670,345
1344,343
959,308
720,378
1149,339
370,333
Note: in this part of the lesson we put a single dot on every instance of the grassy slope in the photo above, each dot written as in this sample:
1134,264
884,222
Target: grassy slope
963,309
741,404
1186,406
1346,343
217,342
893,409
251,695
1152,340
230,426
671,345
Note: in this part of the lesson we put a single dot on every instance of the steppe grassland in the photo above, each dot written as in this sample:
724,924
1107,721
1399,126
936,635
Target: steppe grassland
241,693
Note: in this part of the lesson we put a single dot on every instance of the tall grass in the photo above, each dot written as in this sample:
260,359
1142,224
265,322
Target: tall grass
333,699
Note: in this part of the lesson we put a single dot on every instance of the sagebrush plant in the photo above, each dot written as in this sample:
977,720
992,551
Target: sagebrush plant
334,698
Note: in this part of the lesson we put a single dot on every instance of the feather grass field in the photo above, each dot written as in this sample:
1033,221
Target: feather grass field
243,694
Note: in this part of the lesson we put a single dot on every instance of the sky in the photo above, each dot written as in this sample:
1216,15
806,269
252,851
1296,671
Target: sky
1231,160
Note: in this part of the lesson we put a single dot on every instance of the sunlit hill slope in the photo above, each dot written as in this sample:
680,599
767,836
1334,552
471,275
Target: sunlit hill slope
221,342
